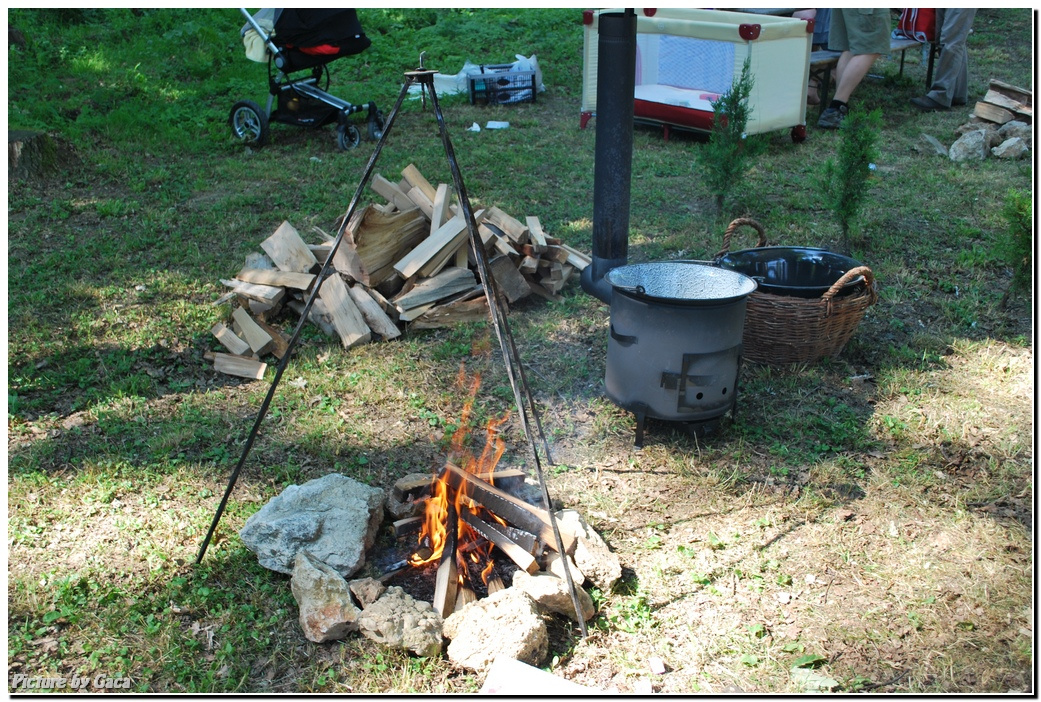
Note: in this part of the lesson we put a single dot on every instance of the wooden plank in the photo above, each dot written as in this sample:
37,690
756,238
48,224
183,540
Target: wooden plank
524,560
452,231
576,258
514,230
288,251
491,233
510,281
384,188
347,319
415,312
286,279
317,316
455,250
228,340
445,284
408,526
447,574
1021,95
239,365
557,253
376,319
415,179
441,213
258,339
509,508
267,294
538,237
425,204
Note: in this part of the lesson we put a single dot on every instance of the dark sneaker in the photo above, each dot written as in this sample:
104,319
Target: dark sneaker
927,104
832,117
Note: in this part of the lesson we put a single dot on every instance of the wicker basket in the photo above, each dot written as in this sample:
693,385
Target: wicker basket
780,329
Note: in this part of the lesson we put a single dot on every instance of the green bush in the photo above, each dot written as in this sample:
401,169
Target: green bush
845,184
1016,247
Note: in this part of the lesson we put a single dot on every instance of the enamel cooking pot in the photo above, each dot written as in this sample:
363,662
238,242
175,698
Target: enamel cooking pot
793,270
675,340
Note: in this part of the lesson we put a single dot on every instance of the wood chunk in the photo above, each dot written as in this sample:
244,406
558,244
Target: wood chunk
229,340
528,264
391,192
524,560
408,526
464,597
415,312
318,315
557,253
510,281
239,366
576,258
445,284
491,234
993,113
538,237
406,488
374,240
262,310
320,251
258,339
415,179
286,279
347,319
288,251
517,232
374,316
447,574
267,294
538,289
495,584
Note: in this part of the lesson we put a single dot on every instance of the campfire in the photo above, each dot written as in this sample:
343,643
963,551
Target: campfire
469,515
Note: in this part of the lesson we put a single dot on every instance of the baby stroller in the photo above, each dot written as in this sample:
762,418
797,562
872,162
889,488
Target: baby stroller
298,46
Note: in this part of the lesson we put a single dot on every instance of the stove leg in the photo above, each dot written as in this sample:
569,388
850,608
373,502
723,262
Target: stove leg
640,417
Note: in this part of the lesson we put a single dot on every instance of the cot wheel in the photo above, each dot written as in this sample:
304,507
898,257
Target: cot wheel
249,123
799,133
347,136
376,126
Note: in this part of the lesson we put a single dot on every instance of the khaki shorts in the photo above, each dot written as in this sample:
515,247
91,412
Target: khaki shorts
860,31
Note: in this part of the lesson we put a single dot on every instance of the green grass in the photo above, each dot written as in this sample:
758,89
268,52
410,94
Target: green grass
121,437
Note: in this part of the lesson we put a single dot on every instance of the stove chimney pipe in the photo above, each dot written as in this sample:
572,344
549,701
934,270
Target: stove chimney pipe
612,169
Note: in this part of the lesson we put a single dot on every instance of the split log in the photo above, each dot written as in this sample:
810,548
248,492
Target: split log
347,319
258,339
415,179
447,237
376,319
285,279
517,232
391,192
464,597
442,285
510,281
268,294
239,365
408,526
538,237
288,251
374,240
447,572
495,584
441,213
993,113
424,203
229,340
280,342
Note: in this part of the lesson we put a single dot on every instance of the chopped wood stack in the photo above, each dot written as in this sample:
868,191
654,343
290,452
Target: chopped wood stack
407,261
1005,103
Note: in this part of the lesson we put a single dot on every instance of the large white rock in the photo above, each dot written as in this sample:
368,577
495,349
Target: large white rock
600,566
552,594
971,146
327,612
334,518
398,620
506,623
1012,149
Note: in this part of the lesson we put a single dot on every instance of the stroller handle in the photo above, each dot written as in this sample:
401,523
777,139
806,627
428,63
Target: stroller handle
260,32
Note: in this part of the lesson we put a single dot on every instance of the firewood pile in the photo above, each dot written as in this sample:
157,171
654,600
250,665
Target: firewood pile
1005,103
404,262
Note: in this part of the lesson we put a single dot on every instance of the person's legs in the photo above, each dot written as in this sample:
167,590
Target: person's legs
850,72
951,77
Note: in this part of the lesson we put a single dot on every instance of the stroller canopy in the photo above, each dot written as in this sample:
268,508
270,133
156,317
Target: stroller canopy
308,29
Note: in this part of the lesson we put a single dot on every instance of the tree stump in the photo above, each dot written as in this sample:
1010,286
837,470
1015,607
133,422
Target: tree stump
29,154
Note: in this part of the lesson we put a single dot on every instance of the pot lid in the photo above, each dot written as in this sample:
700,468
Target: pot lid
681,281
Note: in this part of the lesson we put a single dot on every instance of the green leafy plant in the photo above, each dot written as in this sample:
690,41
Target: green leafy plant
845,184
726,158
1016,247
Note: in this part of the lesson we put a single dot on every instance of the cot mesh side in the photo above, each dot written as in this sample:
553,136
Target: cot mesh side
702,64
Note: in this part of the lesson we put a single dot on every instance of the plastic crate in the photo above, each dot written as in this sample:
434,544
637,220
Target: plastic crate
498,85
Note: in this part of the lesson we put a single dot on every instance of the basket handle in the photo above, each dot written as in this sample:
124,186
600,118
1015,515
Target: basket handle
740,221
869,280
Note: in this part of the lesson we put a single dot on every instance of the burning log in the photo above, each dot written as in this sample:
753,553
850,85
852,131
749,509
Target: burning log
447,571
509,508
524,560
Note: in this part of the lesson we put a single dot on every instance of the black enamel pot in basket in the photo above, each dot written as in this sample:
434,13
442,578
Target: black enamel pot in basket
798,271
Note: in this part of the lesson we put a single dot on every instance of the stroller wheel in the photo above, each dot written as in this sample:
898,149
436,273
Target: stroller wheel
347,136
249,123
376,125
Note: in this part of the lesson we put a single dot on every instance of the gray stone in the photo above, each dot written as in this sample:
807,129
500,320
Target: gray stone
366,590
1015,128
555,565
552,594
601,567
334,518
1011,149
399,621
506,623
326,610
971,146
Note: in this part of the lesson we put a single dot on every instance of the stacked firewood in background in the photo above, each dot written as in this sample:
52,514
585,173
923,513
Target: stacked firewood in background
407,262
